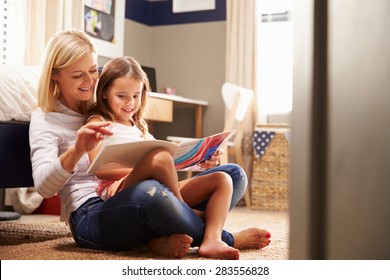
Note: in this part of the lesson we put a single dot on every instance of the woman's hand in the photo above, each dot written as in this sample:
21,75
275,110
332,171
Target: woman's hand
213,161
90,135
88,138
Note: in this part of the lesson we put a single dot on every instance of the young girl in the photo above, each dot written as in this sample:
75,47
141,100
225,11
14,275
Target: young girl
121,98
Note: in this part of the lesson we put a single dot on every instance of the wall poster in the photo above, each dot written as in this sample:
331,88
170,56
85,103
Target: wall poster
104,22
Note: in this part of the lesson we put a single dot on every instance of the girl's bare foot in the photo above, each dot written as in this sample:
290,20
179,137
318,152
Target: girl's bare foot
251,238
218,249
173,246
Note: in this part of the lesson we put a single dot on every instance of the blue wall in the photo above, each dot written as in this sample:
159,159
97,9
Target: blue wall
160,13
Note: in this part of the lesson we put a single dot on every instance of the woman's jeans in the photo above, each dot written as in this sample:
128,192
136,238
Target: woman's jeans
148,210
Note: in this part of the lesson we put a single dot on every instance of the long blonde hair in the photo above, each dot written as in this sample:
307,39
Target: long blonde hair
63,49
114,69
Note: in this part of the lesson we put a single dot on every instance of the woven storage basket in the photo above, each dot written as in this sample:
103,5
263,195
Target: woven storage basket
270,178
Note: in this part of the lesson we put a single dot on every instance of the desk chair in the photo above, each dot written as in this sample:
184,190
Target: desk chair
238,101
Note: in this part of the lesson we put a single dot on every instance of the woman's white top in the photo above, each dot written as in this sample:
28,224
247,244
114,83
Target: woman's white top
51,134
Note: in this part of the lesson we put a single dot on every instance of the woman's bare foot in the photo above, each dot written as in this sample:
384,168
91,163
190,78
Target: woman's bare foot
218,249
251,238
173,246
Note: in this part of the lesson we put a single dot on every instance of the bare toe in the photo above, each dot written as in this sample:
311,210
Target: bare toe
252,238
173,246
218,249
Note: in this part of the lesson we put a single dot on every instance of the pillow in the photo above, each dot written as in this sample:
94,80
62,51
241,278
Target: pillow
18,91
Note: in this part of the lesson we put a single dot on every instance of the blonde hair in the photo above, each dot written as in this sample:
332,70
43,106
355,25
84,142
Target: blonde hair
114,69
63,49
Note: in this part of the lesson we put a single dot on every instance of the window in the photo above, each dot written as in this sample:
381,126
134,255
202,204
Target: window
275,53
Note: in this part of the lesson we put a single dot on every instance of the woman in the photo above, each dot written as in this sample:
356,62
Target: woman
59,145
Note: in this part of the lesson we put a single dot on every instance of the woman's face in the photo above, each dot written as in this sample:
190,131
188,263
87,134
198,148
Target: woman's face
77,82
124,98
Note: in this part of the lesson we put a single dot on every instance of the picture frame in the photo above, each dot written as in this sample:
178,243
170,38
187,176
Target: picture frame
104,21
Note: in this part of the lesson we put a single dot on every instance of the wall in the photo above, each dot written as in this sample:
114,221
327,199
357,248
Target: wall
340,178
138,42
191,58
188,52
359,157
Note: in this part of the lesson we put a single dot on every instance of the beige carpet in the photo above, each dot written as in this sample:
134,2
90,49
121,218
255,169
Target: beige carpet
44,237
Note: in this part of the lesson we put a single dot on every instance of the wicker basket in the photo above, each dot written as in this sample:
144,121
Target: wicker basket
270,178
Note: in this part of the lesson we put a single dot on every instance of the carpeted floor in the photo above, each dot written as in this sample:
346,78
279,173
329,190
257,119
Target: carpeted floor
46,238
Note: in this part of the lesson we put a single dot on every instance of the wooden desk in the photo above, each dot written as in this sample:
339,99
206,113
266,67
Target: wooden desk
160,108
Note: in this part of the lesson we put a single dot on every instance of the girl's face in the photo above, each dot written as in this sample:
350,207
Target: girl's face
76,82
124,98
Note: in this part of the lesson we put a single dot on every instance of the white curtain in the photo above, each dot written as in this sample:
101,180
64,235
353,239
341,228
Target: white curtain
42,18
46,17
241,60
241,42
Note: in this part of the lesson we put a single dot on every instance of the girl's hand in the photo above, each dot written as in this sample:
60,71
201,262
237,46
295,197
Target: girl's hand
213,161
90,135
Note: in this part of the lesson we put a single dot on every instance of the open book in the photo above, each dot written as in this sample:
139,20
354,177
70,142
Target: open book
122,152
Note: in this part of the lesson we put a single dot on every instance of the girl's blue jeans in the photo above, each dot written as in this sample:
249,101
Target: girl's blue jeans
148,210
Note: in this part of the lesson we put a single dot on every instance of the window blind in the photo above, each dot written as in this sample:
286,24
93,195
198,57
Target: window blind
4,6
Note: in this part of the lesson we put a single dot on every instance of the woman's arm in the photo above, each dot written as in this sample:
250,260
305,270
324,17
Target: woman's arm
48,174
92,154
53,159
88,138
108,174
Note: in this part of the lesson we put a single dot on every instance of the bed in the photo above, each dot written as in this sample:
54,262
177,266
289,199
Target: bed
18,97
